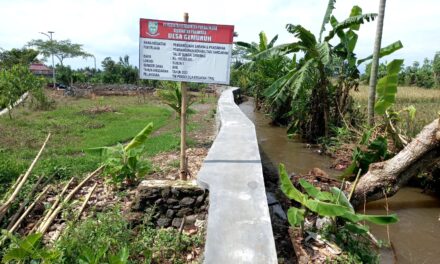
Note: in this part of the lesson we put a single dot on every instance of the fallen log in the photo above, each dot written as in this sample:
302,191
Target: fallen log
387,177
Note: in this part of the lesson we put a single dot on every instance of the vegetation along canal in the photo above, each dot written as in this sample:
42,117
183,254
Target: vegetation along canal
415,237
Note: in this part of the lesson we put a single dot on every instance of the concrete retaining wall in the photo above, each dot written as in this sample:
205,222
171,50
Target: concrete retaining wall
239,229
19,101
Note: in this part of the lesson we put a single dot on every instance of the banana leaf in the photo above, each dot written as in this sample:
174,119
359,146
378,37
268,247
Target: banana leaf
341,198
384,51
314,192
140,138
295,216
387,87
287,187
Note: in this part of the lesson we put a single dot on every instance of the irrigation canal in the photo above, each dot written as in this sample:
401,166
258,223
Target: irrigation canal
417,235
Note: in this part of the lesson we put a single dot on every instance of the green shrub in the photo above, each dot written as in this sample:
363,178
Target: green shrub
110,235
109,230
10,169
123,162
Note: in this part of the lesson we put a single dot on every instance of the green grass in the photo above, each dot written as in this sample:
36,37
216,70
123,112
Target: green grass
426,102
74,128
97,239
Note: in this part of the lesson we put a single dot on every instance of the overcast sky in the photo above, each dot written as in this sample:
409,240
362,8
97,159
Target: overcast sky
111,28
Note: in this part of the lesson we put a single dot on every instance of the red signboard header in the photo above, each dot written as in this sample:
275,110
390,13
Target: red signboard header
180,31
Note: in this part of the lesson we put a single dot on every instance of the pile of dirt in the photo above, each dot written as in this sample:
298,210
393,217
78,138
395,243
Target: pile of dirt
99,110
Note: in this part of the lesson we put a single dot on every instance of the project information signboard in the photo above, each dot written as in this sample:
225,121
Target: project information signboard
189,52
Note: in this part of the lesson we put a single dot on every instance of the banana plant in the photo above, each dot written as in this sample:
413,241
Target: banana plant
366,152
121,257
123,162
333,204
309,79
387,87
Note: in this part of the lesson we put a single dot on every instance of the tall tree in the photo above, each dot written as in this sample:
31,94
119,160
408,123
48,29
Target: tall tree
9,58
436,68
375,63
62,49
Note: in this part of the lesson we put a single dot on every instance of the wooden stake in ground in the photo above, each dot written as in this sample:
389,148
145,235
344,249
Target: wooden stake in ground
4,208
183,167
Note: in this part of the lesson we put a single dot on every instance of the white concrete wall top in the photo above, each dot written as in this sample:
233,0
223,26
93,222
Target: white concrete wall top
19,101
239,228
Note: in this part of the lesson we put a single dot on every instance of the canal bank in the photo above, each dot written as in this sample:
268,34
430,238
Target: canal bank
415,237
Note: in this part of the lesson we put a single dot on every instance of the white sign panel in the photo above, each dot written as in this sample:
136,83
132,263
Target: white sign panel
187,52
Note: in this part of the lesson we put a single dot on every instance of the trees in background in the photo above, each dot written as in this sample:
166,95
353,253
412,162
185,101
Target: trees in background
426,75
62,49
16,81
24,56
119,72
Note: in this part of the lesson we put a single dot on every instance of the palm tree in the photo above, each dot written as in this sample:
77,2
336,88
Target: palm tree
375,63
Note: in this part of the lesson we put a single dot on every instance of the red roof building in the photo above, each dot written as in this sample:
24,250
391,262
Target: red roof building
40,69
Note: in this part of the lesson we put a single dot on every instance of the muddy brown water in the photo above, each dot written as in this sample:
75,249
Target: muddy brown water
296,155
416,237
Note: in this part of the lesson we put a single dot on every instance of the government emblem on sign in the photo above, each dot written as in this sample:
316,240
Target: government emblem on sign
153,27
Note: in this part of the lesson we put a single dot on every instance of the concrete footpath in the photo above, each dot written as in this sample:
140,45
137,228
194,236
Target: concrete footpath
239,229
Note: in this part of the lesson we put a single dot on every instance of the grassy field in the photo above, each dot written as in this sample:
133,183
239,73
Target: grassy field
78,124
426,102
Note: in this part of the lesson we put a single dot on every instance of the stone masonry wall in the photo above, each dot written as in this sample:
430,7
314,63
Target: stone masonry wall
172,200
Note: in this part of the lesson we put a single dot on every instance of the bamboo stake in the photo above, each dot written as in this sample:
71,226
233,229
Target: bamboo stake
355,184
388,210
35,227
4,208
29,209
57,201
17,181
45,225
55,238
183,170
20,210
86,200
2,241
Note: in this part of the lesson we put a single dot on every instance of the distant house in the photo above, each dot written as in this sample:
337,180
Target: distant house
40,69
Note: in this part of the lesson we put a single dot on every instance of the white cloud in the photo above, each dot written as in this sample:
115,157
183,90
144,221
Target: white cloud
110,28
